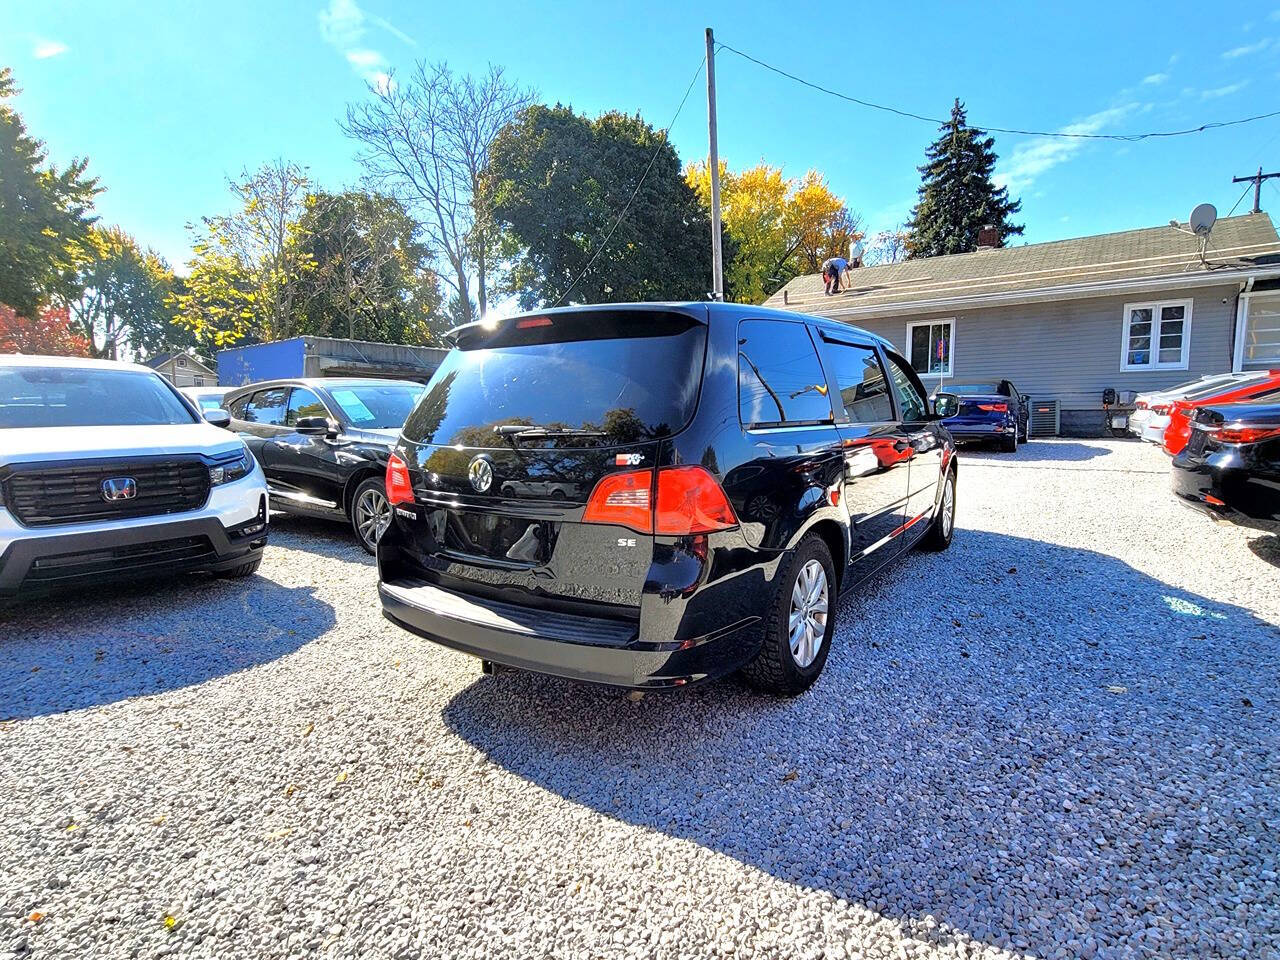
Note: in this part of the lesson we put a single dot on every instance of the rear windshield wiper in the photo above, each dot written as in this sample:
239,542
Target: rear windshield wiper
516,431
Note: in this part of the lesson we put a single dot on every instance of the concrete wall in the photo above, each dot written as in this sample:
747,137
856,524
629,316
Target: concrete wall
1070,350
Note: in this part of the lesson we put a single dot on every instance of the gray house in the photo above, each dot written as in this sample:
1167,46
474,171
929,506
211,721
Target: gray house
1137,310
184,370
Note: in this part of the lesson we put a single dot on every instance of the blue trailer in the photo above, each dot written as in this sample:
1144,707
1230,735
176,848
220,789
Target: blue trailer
325,357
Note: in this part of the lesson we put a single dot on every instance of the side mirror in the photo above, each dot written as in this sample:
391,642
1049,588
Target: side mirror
945,405
317,427
218,417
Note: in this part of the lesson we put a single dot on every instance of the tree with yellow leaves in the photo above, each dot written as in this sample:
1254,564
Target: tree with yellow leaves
776,227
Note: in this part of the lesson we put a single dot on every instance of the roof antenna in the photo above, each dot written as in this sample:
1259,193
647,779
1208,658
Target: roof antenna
1199,224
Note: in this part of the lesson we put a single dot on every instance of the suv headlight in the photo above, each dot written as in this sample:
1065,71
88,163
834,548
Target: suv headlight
225,471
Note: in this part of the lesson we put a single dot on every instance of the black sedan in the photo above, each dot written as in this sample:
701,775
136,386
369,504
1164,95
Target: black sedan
992,410
1230,468
323,444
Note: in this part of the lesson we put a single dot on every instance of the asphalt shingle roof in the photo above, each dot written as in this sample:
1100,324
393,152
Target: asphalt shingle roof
1236,243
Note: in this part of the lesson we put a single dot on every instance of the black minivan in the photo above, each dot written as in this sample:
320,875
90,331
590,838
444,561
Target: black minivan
652,495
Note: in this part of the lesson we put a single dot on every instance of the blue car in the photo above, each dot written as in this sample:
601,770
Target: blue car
991,411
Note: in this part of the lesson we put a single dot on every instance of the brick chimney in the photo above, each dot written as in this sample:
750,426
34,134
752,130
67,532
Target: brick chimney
988,237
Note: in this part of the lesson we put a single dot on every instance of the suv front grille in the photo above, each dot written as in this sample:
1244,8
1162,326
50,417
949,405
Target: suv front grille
44,495
136,558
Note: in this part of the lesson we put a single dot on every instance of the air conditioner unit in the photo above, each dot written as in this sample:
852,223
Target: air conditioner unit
1045,420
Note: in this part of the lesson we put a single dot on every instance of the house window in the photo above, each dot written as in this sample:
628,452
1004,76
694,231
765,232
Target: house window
1258,332
182,361
199,381
1157,336
929,346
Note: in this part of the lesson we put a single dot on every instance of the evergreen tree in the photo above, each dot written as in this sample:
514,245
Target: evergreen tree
957,194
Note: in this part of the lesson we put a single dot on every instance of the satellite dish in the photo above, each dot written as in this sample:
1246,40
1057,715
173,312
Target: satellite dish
855,251
1202,219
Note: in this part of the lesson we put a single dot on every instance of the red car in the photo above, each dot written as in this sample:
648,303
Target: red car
1178,432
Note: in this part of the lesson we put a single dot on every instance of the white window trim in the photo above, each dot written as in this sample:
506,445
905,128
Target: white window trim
951,354
1156,306
1242,322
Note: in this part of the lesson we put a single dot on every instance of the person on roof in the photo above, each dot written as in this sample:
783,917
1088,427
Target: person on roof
831,270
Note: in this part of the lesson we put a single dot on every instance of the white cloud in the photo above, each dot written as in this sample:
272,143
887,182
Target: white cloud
1247,49
343,25
1031,159
44,49
1155,78
1223,91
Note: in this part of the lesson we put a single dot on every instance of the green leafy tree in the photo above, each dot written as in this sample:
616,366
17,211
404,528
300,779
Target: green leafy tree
44,216
559,180
957,194
248,267
125,302
368,276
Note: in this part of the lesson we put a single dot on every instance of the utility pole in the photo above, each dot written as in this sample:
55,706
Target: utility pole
1256,180
717,258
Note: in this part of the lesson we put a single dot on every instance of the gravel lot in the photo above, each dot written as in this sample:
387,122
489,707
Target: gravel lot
1057,739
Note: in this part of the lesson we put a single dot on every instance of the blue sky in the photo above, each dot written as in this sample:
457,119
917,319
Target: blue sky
169,99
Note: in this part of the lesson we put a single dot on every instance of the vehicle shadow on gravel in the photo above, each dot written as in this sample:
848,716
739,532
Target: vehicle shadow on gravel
101,645
1015,743
327,538
1037,451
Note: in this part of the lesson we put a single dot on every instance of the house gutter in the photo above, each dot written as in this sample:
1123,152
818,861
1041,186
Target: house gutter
1179,281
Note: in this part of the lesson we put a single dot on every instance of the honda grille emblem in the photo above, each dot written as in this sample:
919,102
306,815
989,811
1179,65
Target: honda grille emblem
119,488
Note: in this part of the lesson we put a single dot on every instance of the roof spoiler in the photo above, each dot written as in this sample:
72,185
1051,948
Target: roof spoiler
466,331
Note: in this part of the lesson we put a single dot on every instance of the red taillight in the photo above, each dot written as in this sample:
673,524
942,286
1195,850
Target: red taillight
529,323
688,501
1245,434
1160,408
994,407
399,489
1140,405
622,499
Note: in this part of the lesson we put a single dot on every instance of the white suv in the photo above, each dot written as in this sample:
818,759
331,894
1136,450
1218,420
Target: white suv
106,473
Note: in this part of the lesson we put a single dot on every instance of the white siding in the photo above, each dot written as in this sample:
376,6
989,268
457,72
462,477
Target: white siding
1070,350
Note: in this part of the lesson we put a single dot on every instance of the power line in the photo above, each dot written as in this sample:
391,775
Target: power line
636,192
1062,134
1237,203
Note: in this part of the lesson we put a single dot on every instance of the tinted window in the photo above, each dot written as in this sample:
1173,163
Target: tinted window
779,377
630,375
67,397
303,403
378,406
237,406
267,406
860,380
911,401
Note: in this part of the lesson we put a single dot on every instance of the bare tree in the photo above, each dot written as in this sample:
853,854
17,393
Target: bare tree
887,246
426,142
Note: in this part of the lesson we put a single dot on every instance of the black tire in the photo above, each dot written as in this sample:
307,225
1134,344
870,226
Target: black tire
244,570
943,527
775,669
1009,444
371,493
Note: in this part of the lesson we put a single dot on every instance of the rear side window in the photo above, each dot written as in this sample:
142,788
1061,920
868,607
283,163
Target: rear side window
237,406
860,380
303,403
595,376
779,378
268,407
911,399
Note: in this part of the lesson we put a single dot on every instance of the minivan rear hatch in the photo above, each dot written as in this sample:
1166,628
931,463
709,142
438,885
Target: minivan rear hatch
520,424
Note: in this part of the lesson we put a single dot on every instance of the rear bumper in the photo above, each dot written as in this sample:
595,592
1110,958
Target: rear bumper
1225,491
579,648
979,431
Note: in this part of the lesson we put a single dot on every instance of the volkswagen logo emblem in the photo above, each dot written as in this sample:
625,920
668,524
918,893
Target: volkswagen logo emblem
480,473
119,488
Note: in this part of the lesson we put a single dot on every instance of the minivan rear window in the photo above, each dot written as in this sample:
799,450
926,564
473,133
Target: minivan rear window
626,376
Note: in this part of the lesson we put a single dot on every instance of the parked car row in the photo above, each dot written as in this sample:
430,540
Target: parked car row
646,495
1223,432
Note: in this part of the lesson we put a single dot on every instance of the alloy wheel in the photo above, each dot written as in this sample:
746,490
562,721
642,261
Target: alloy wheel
807,623
948,506
373,515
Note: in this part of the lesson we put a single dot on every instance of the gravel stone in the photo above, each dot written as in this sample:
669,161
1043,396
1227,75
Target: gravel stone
1056,739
